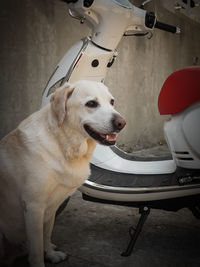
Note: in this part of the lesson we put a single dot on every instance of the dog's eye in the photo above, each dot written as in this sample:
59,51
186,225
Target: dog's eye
92,104
112,101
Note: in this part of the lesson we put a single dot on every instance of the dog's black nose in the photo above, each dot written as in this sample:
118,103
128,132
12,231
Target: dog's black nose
118,123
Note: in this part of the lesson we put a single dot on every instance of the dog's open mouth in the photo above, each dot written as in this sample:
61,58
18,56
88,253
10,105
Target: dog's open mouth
108,139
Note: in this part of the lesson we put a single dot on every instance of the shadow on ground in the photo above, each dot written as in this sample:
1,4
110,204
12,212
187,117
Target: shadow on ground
94,235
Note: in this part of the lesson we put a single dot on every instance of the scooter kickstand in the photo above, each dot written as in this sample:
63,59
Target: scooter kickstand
134,233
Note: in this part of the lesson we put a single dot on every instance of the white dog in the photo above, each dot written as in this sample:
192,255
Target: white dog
45,160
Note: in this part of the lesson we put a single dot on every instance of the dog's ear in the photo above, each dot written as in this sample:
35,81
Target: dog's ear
58,101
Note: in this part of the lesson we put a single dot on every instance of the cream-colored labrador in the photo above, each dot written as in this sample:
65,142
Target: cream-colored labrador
44,160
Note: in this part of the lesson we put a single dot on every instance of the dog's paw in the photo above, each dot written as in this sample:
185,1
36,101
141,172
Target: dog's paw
55,256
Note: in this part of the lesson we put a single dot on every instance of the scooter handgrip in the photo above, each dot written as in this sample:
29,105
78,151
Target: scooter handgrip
167,27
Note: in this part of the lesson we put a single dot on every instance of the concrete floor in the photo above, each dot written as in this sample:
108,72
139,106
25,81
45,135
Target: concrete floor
94,235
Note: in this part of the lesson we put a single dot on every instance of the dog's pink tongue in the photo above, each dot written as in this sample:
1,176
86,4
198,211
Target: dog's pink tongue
109,137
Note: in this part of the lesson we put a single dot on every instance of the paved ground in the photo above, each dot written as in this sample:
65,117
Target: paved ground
95,234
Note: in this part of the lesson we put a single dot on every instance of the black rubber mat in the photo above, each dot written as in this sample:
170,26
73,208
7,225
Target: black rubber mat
117,179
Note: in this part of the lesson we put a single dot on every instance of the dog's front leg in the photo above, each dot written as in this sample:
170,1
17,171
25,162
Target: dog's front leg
49,248
34,215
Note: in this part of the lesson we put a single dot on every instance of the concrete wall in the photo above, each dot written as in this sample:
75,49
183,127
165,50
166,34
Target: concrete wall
36,33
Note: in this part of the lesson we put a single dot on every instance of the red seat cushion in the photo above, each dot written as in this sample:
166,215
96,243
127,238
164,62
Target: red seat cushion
181,89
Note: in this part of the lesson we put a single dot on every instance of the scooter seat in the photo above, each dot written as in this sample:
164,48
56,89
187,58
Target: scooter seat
180,90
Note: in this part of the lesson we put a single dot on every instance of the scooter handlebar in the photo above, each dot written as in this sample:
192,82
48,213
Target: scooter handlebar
167,27
152,22
103,17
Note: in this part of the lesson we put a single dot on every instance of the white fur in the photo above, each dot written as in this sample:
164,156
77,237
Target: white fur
42,162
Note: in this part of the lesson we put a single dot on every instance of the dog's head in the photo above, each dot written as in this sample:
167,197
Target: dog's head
88,107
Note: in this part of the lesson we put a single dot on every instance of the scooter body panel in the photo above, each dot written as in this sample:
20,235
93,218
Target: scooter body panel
107,29
84,61
125,194
88,59
106,158
92,64
61,71
110,185
183,136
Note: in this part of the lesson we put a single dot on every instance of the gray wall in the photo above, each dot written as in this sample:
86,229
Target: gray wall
36,33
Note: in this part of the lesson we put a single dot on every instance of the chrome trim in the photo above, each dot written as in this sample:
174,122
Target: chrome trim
178,30
74,16
49,81
54,87
146,2
86,41
139,190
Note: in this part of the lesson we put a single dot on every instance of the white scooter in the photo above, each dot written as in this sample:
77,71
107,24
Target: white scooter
117,177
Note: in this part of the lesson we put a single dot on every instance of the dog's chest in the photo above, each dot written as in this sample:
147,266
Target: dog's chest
73,173
62,186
